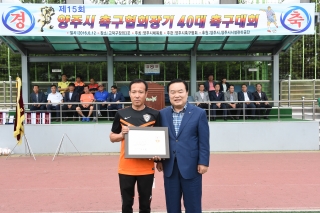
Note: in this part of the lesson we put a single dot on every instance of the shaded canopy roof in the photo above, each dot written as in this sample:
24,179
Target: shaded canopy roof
150,45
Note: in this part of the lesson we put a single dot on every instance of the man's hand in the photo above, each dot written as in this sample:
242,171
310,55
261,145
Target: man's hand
156,158
197,103
159,167
69,106
218,105
109,104
201,169
233,106
267,103
117,101
258,103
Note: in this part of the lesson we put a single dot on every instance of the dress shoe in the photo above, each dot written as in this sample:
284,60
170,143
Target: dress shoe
232,118
65,119
225,119
267,118
259,118
237,118
57,120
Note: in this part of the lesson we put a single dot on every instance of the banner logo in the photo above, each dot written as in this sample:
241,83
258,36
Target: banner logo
18,20
296,19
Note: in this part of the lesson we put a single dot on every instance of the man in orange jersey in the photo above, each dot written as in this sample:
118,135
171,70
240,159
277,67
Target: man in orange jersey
135,170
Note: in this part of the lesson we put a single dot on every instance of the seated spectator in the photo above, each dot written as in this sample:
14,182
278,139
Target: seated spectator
93,86
201,97
231,96
87,99
217,96
79,85
224,85
54,101
63,84
117,97
101,96
70,96
259,95
247,96
37,97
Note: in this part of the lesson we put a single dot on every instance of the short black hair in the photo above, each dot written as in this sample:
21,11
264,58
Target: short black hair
114,87
210,75
223,78
216,85
79,77
138,81
53,86
178,81
86,86
72,85
35,86
201,84
244,85
258,84
231,85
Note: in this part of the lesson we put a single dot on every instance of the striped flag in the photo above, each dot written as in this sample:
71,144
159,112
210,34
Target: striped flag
18,123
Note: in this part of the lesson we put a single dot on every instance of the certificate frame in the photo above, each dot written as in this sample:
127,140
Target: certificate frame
129,139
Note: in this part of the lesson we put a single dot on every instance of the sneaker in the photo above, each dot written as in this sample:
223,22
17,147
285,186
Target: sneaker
88,119
94,120
84,119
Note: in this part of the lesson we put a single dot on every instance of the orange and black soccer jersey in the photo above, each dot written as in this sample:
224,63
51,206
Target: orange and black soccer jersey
129,117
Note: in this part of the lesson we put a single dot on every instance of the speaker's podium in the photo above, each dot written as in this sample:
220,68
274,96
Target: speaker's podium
155,98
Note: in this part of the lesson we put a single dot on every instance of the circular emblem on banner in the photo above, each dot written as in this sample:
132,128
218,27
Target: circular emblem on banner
18,20
296,19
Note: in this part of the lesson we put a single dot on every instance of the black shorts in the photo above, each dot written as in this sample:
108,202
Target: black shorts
85,109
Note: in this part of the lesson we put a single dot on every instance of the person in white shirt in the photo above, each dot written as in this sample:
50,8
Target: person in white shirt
247,96
54,100
224,85
201,97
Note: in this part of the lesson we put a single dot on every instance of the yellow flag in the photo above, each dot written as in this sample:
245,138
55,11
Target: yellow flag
18,123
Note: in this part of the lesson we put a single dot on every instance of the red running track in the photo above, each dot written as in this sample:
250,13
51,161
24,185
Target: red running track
236,181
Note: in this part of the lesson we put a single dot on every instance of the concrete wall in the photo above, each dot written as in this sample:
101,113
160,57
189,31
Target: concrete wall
247,136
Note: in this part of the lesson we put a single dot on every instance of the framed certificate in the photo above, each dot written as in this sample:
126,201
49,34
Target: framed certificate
147,142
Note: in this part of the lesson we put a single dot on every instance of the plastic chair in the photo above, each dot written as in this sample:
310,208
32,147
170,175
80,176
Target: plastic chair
237,88
251,88
125,91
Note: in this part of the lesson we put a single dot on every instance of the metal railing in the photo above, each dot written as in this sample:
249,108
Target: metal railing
241,106
5,85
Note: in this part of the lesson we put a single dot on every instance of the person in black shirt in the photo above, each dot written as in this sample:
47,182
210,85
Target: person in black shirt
135,170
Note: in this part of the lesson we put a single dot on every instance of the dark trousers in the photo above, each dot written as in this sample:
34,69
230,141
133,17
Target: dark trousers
176,186
35,108
66,110
99,106
114,107
56,108
236,110
214,107
248,106
204,106
263,107
127,184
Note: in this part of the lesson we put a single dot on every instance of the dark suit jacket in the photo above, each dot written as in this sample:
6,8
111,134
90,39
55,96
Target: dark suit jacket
241,96
256,96
221,88
74,98
41,98
191,145
220,97
206,85
119,97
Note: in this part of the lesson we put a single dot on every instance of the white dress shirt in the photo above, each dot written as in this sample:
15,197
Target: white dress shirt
246,97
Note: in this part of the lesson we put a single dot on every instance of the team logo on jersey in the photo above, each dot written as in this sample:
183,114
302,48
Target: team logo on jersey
146,117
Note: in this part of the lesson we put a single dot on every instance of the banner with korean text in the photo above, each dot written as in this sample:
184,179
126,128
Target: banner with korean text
156,20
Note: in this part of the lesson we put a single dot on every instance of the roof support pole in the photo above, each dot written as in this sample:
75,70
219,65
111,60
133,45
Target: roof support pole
275,79
25,78
110,69
193,73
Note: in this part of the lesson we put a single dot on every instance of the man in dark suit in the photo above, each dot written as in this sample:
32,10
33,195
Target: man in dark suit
261,106
70,96
224,85
117,97
247,96
209,85
217,96
189,150
37,97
